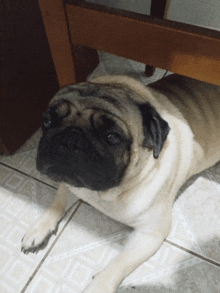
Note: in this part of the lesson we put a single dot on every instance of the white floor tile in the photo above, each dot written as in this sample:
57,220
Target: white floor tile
26,163
23,201
88,244
91,240
200,205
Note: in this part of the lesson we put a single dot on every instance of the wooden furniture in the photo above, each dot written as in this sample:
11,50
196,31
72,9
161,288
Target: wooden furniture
27,75
157,9
75,30
180,48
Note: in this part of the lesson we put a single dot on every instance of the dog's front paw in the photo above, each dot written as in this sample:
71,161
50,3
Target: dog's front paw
38,237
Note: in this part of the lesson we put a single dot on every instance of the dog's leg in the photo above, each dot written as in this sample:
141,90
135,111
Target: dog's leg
140,247
38,236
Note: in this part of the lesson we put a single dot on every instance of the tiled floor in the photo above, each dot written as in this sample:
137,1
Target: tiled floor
187,262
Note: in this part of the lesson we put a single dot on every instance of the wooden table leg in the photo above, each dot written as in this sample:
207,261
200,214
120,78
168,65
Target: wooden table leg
158,8
72,63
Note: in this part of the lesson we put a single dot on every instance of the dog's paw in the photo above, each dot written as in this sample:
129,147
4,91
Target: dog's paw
38,237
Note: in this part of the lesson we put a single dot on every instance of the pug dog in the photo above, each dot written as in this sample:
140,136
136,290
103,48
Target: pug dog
126,149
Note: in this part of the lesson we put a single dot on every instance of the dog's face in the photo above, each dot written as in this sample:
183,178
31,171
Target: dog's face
91,132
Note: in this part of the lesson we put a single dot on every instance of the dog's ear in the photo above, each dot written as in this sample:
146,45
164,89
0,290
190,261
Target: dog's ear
155,128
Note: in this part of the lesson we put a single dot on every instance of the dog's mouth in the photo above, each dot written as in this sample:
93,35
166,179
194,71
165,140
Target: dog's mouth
64,174
86,169
59,176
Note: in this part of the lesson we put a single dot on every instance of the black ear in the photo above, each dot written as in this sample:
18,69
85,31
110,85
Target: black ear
155,127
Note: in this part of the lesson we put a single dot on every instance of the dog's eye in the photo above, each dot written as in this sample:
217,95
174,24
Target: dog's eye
47,122
113,138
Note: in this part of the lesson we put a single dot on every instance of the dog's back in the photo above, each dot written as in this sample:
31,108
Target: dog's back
199,103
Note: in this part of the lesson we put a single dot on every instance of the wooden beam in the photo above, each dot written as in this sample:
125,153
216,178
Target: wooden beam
72,63
183,49
55,24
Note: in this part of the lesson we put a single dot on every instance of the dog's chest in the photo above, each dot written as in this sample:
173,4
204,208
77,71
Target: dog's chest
119,209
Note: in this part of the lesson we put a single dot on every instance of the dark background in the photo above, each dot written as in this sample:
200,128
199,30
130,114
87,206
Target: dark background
28,79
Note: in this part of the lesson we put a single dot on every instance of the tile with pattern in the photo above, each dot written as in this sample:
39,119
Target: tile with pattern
200,205
91,240
23,201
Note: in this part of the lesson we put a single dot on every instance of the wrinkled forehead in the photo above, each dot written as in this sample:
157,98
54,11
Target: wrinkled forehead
101,96
72,106
75,102
88,99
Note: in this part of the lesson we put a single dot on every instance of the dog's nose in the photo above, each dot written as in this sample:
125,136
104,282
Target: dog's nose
72,139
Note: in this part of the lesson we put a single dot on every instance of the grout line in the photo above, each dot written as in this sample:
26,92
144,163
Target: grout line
215,263
168,241
27,175
49,250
